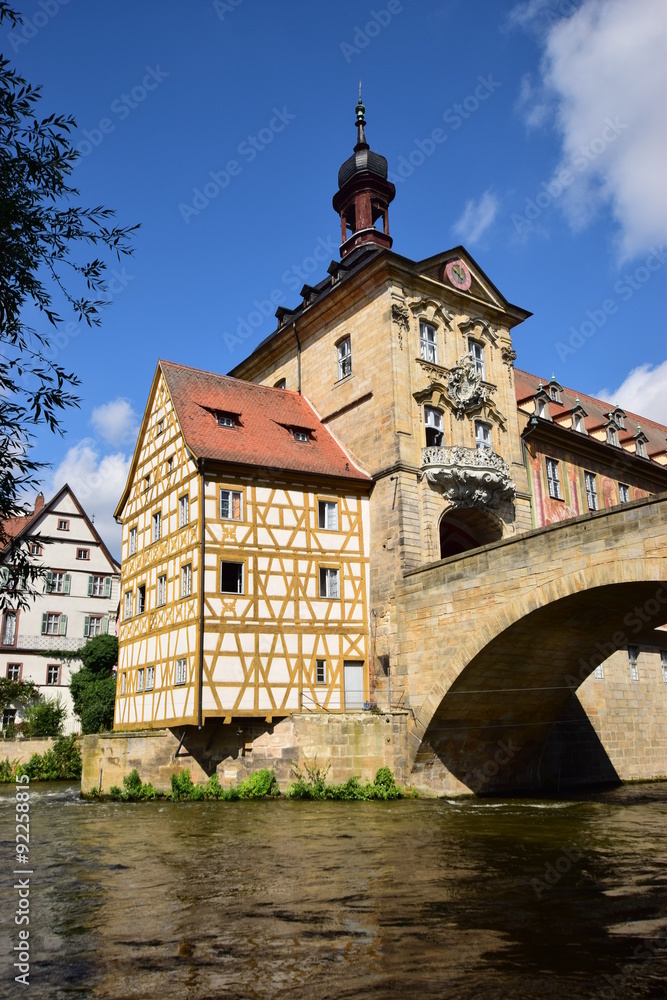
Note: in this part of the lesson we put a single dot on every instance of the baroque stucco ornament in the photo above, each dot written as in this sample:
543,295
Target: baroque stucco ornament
464,386
468,477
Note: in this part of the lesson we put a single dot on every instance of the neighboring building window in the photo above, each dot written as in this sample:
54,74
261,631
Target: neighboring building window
161,590
578,423
320,671
231,507
476,351
186,580
612,435
591,491
434,427
553,479
99,586
225,419
329,582
231,578
183,511
633,654
281,384
599,673
180,671
327,514
160,426
63,525
344,358
147,481
150,678
127,607
170,464
140,679
141,599
54,624
640,447
623,493
35,549
123,683
58,583
9,629
53,673
133,541
8,718
13,671
94,625
663,665
482,434
83,553
428,342
157,525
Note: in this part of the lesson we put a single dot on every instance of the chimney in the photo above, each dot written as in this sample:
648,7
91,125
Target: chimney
39,502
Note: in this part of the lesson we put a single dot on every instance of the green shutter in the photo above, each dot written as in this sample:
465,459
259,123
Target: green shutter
105,625
63,625
49,581
90,586
67,582
44,621
86,626
107,586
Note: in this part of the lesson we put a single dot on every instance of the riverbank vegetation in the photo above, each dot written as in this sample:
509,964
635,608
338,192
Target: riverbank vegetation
61,763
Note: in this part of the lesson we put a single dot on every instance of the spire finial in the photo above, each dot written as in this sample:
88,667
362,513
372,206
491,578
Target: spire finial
360,112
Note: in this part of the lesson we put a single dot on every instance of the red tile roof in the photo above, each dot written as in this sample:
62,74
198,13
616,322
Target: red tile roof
597,411
260,436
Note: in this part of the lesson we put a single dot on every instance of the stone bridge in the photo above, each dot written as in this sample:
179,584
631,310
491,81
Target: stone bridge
494,643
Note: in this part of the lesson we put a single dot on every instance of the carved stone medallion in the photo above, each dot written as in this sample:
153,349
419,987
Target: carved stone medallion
464,386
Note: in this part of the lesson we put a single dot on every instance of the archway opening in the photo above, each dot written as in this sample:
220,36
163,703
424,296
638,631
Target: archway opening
466,530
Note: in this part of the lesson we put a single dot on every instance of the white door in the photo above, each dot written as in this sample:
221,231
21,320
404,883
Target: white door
354,685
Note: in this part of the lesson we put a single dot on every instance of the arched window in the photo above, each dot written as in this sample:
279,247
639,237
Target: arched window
482,434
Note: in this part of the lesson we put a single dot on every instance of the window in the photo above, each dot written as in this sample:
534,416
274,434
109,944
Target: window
183,511
344,358
640,447
99,586
127,607
553,479
9,629
554,393
599,673
231,578
54,624
140,679
83,553
141,599
302,436
428,342
157,525
53,673
612,435
320,671
35,549
160,426
619,418
161,590
327,514
147,481
542,407
8,718
633,654
231,507
281,384
623,493
591,491
434,425
150,678
58,583
186,580
95,625
170,464
578,423
663,665
225,419
482,434
63,525
329,583
476,352
14,671
123,683
180,672
133,541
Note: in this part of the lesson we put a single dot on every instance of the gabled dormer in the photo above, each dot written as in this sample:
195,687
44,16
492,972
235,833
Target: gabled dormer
541,401
641,440
555,390
579,415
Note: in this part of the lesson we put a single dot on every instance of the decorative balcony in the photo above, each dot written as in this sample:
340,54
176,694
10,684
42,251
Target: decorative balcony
468,477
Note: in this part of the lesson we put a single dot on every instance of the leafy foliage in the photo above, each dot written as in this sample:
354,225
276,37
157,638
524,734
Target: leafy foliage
46,717
93,686
16,692
134,790
312,785
42,266
61,763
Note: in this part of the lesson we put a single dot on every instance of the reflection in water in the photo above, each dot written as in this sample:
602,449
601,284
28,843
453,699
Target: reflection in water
461,898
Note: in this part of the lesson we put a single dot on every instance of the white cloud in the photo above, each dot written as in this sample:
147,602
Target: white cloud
116,421
98,482
643,391
476,218
606,63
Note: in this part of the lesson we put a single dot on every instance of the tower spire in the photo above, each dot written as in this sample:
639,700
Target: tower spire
361,134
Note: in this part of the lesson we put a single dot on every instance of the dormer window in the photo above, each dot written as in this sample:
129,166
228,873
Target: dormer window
301,435
612,434
224,419
578,423
542,405
618,416
640,447
555,389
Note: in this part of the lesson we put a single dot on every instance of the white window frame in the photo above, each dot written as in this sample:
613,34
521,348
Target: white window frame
186,580
553,479
95,625
428,342
598,673
320,671
140,679
640,448
53,623
156,532
57,584
612,436
180,671
633,658
591,490
150,678
161,591
127,605
327,515
330,583
623,493
57,667
224,419
434,421
183,510
344,356
578,423
141,598
9,632
476,352
132,542
230,562
227,497
483,437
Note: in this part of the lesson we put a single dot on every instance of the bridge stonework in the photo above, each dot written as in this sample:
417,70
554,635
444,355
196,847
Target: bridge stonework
493,645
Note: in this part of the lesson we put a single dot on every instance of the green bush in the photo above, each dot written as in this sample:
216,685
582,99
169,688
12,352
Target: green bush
8,769
259,785
93,687
133,790
61,763
46,717
312,785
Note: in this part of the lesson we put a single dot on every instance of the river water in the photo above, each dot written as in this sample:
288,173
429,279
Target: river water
429,898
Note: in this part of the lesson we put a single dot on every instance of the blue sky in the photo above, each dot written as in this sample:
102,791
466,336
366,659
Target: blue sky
220,127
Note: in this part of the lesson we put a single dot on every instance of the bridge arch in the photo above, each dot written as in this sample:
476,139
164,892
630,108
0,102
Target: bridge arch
463,529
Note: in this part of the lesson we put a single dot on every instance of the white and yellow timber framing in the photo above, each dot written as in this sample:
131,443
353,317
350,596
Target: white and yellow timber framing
249,654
